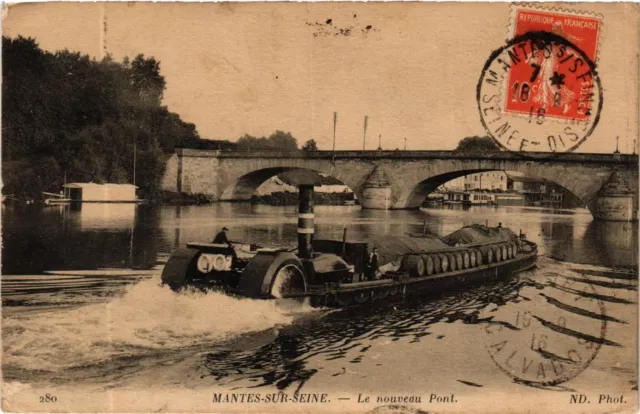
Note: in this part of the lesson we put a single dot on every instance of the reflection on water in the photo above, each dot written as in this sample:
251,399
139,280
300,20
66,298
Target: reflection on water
116,216
78,237
616,242
331,345
129,235
349,336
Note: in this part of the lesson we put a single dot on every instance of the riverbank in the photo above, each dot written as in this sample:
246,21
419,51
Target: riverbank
175,199
285,198
279,198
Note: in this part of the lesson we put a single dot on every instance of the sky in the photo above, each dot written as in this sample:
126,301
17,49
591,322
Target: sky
252,68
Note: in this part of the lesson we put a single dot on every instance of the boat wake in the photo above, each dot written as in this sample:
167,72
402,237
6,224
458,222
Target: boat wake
147,318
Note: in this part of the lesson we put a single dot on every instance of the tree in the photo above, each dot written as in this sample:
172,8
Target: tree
283,141
310,146
146,80
64,112
278,141
477,144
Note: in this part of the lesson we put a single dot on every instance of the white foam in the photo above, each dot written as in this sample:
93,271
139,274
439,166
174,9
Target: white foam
146,317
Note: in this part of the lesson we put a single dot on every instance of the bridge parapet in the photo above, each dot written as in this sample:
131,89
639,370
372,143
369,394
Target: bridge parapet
620,159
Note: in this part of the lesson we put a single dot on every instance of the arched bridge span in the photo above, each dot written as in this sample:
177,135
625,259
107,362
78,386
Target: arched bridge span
231,175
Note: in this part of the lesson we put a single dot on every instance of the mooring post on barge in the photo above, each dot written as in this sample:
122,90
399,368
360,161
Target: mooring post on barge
305,220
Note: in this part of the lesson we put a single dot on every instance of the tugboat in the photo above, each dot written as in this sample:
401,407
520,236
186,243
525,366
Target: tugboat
330,273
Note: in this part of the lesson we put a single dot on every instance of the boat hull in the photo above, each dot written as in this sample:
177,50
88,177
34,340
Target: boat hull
414,265
400,286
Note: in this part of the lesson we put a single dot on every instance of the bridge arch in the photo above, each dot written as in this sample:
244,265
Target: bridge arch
246,185
584,188
429,185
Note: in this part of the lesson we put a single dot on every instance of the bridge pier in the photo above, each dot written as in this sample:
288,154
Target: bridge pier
376,191
615,201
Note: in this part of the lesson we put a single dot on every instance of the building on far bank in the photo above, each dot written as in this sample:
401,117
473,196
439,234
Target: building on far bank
533,189
522,184
101,193
498,181
490,180
542,192
516,189
457,184
278,184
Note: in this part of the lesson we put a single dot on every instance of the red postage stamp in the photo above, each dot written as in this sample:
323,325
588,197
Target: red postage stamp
541,83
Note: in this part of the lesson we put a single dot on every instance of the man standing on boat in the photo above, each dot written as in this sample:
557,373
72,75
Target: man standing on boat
221,238
372,265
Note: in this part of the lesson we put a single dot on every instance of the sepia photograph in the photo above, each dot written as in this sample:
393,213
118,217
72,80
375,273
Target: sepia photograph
320,207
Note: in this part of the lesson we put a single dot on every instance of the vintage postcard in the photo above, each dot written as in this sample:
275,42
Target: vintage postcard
321,207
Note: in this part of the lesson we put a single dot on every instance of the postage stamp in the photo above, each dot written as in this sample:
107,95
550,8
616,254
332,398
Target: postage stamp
541,91
544,83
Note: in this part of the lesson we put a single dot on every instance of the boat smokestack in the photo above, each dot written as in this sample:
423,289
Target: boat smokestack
305,220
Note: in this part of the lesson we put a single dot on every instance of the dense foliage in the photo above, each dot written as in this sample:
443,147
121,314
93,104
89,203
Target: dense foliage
475,143
278,141
64,112
310,146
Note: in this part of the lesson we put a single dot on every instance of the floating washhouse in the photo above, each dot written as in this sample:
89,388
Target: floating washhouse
101,193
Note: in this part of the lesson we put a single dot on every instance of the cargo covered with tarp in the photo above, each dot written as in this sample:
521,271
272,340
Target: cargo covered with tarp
479,234
390,247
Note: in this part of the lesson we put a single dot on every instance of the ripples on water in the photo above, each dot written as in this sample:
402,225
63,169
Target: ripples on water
67,329
351,335
250,343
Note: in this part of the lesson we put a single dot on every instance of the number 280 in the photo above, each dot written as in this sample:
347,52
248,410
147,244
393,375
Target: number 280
48,398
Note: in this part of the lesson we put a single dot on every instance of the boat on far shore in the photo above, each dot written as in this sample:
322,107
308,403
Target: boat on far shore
55,199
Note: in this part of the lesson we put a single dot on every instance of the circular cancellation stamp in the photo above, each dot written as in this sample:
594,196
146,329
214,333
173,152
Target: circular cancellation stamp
552,336
539,92
395,409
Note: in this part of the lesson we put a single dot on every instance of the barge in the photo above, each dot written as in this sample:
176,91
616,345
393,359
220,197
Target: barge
338,273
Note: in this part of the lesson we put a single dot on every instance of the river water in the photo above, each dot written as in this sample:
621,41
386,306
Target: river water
121,332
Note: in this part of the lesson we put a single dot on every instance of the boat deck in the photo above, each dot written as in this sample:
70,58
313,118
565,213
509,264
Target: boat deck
399,278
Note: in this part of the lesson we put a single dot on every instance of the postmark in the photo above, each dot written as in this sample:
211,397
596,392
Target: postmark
395,409
554,337
539,92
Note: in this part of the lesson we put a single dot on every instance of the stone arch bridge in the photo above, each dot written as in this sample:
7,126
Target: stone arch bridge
234,175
